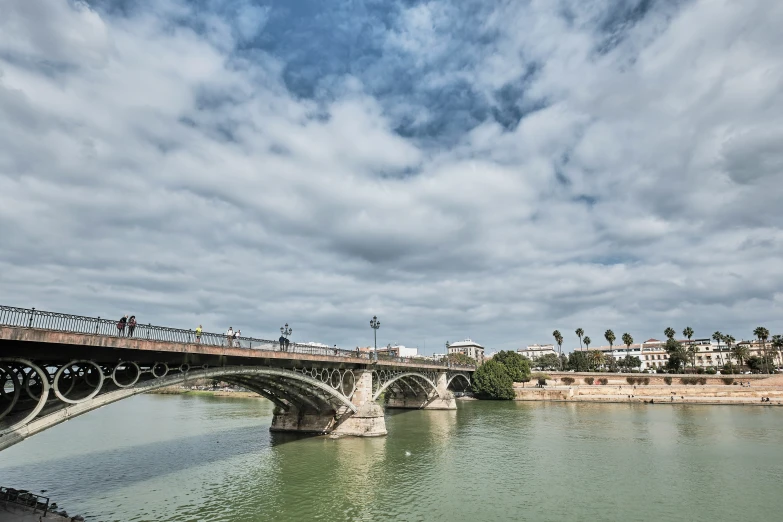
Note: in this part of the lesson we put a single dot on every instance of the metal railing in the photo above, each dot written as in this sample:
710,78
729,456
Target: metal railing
59,322
25,498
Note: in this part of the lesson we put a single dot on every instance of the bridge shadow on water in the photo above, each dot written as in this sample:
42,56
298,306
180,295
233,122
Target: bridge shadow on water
103,471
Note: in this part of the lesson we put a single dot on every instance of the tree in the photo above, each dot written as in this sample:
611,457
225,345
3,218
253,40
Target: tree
461,359
597,358
578,361
610,338
587,342
763,334
629,362
758,364
740,352
627,340
688,333
518,367
579,333
492,381
729,342
559,340
669,333
678,357
549,361
777,346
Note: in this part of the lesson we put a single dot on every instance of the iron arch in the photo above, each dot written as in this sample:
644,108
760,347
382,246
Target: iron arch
30,425
386,384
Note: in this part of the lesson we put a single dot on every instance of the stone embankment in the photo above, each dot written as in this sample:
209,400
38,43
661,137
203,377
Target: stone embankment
617,389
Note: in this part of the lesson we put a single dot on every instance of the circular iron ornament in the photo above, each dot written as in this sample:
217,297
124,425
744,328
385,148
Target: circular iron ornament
346,388
127,365
184,368
83,371
157,373
69,377
41,401
9,378
335,379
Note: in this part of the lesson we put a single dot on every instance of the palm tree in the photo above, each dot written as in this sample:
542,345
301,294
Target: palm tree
669,333
688,333
609,336
741,353
587,342
729,341
580,333
717,337
777,345
597,358
627,341
559,340
763,334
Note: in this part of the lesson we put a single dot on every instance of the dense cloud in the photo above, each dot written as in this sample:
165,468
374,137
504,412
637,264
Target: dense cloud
486,169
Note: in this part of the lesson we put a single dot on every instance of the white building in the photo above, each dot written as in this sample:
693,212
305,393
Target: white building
653,355
535,351
398,350
468,347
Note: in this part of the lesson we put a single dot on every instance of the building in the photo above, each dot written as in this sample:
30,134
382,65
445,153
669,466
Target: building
398,350
653,355
534,351
468,347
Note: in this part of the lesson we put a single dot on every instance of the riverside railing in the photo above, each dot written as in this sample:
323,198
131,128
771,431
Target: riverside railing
59,322
25,498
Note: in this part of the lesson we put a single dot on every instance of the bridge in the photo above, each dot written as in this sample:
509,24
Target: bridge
55,366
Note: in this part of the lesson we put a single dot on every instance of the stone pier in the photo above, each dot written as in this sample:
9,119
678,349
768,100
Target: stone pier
366,421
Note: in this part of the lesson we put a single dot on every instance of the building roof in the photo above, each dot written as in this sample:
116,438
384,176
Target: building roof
466,342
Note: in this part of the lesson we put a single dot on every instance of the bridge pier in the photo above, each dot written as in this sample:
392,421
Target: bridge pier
366,421
439,399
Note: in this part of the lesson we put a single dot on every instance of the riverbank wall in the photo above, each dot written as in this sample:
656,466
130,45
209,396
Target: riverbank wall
715,390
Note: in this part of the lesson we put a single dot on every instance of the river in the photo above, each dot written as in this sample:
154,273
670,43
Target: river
202,458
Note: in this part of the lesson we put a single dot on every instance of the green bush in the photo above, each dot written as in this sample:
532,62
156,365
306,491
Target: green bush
711,371
603,380
645,381
589,380
631,380
700,371
568,381
727,380
667,380
694,380
702,380
492,381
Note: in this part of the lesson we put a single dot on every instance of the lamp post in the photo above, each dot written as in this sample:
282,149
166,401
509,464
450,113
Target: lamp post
286,331
375,324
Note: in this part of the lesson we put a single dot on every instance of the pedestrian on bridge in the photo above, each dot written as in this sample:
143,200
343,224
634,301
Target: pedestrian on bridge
121,325
198,334
282,343
230,336
131,325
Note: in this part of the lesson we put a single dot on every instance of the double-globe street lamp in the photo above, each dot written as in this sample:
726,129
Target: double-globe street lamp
285,331
375,324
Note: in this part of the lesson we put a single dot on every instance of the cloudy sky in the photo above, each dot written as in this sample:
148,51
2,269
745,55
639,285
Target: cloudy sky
485,169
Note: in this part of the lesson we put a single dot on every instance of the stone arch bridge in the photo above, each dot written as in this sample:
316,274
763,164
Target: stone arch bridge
54,367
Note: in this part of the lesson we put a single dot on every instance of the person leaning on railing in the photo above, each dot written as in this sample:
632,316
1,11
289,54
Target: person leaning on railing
198,334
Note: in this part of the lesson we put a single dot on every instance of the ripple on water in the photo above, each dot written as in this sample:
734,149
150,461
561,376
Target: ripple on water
175,459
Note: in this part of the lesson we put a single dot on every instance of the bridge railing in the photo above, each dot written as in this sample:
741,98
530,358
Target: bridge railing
32,318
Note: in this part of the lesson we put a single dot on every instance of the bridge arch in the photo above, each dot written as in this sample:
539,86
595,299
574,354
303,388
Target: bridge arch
382,386
285,388
458,376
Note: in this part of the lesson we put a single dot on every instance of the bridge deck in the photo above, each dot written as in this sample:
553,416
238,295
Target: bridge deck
51,345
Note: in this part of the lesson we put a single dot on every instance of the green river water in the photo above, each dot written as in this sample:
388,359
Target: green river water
201,458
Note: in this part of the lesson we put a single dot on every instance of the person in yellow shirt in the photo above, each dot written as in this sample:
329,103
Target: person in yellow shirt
198,334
